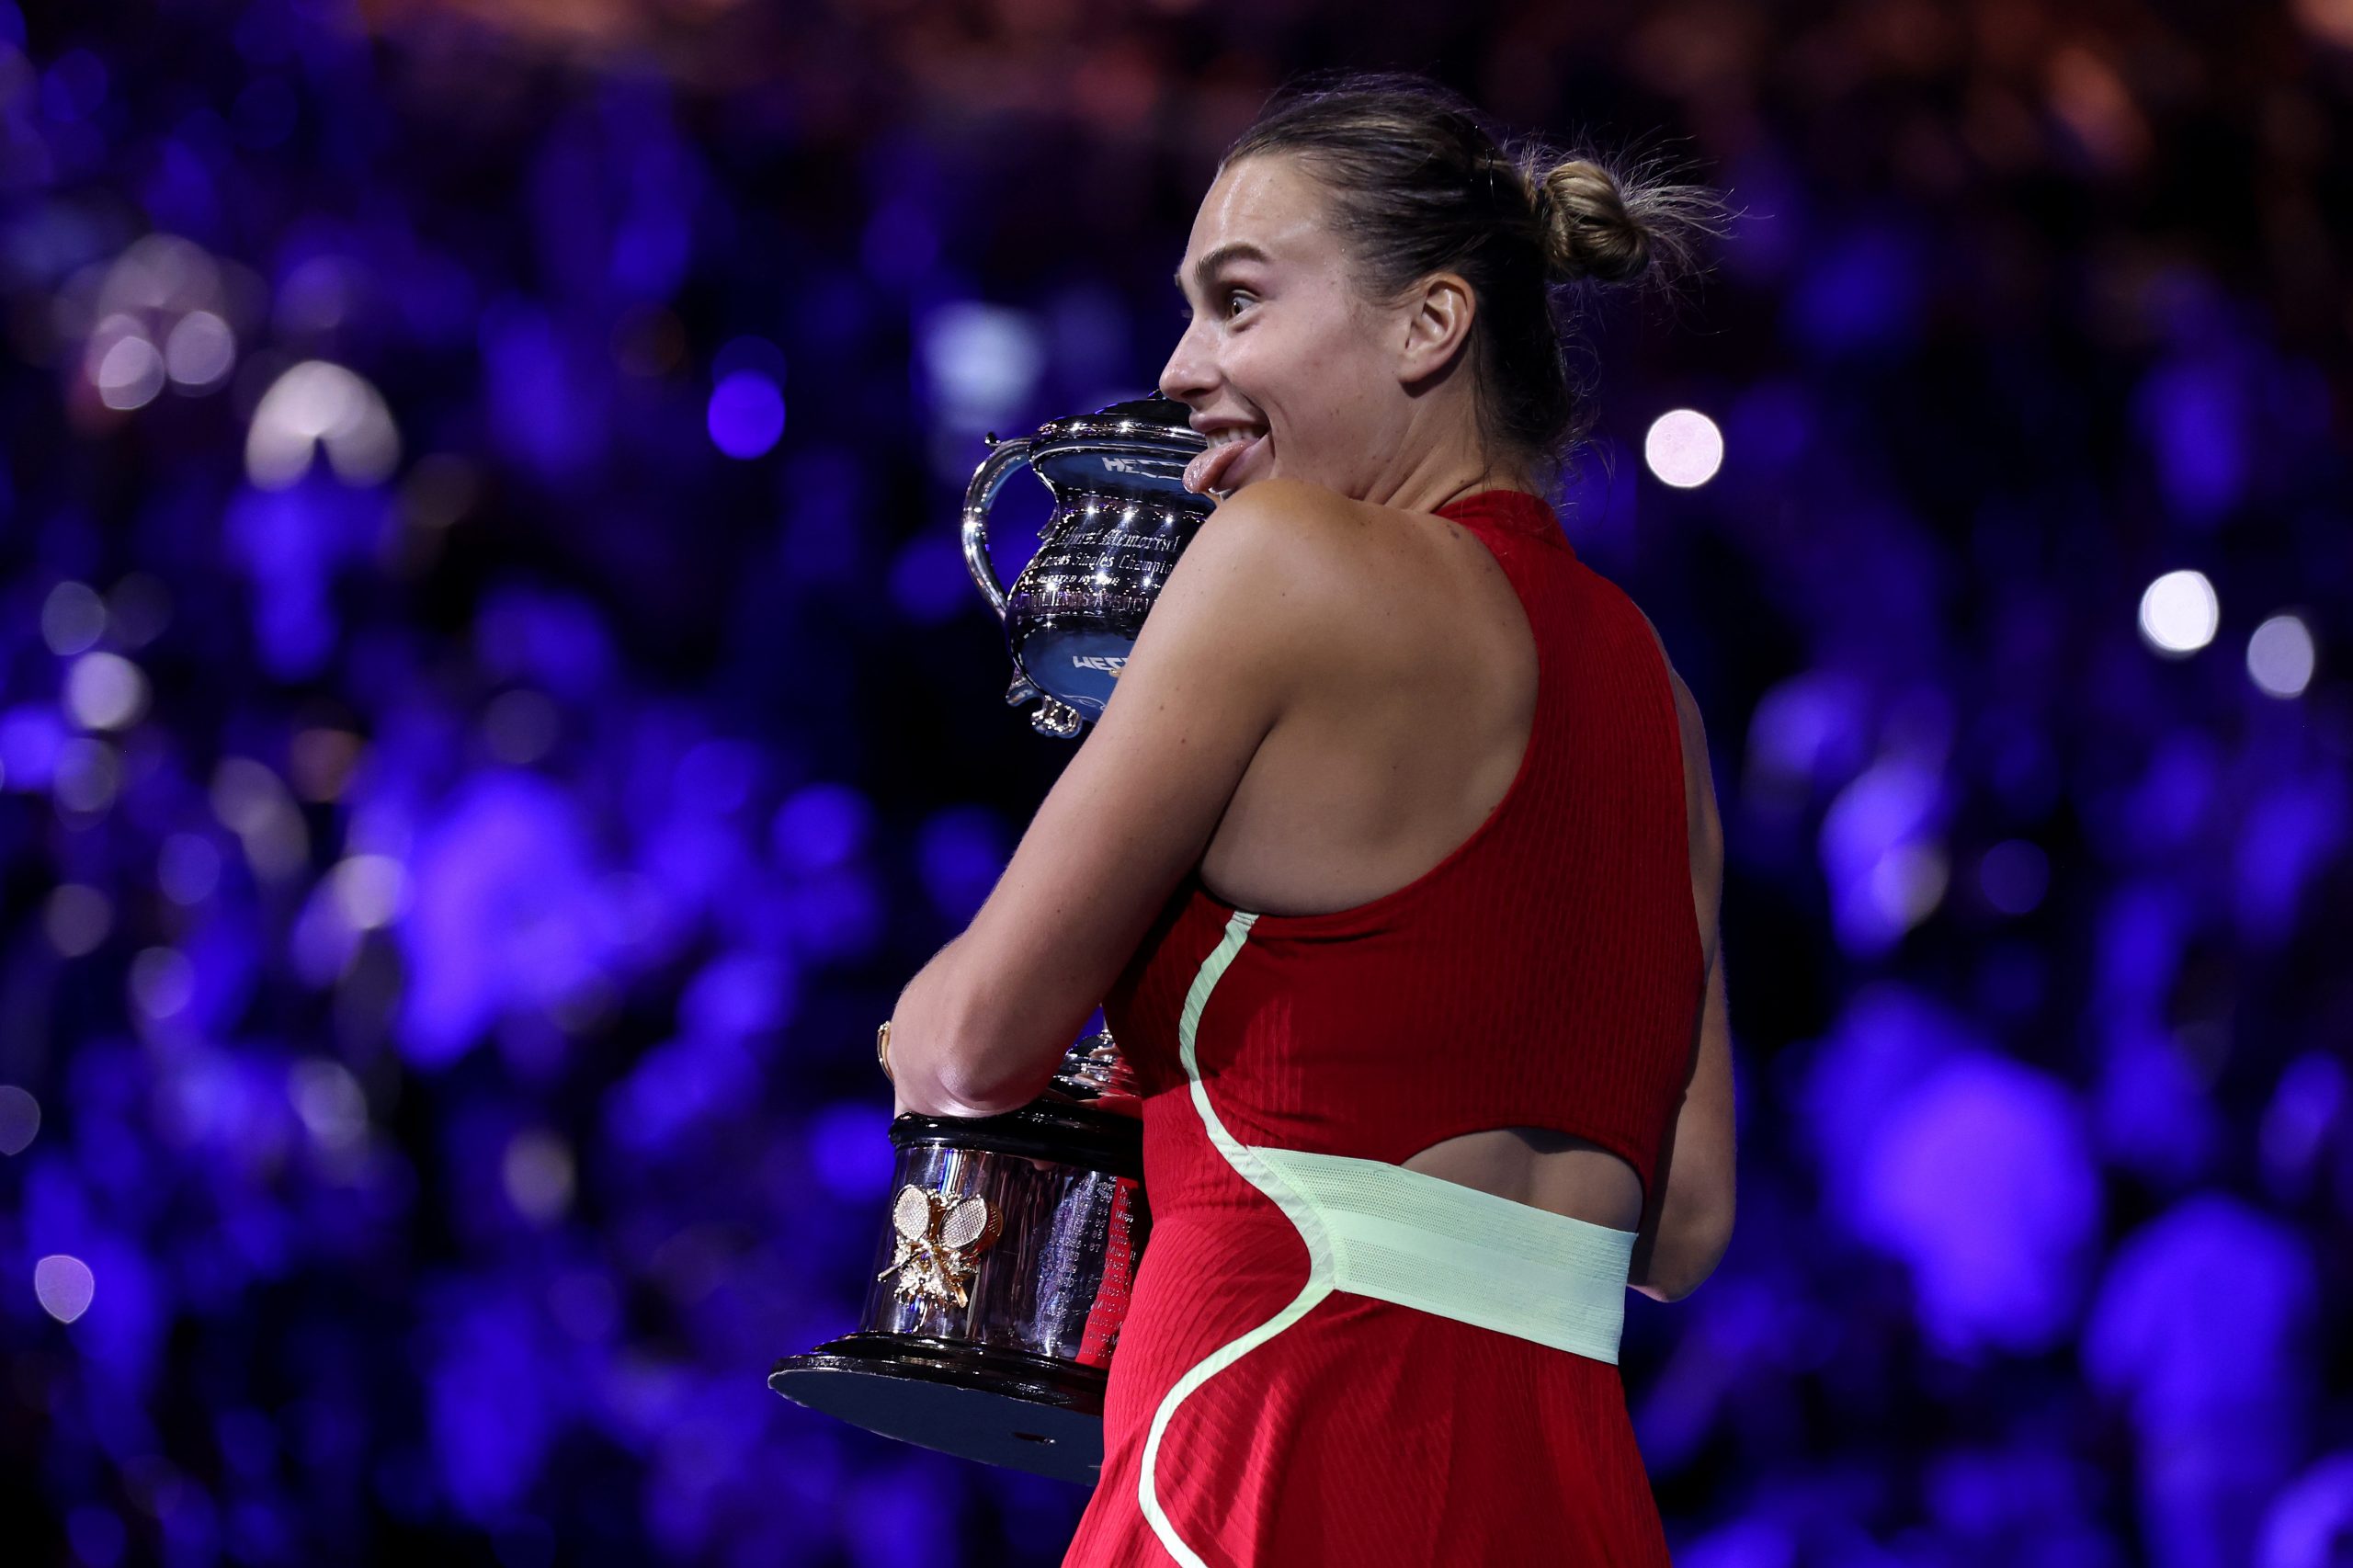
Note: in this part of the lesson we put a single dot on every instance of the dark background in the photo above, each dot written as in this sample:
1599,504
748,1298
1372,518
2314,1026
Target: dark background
492,711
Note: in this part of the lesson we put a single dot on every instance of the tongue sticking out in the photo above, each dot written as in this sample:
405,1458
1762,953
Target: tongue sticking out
1208,472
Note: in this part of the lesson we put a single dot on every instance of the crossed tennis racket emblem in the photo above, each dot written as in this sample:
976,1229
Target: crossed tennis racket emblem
941,1237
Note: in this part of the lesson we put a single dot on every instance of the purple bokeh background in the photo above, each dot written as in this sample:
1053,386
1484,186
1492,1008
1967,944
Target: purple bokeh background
492,711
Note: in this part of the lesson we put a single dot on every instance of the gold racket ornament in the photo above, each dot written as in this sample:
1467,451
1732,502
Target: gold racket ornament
941,1237
1008,1247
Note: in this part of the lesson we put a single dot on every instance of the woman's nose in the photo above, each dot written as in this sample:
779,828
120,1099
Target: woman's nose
1187,376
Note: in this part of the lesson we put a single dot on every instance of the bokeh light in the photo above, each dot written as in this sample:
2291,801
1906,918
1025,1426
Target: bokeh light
161,982
2279,657
73,617
330,1102
200,352
316,407
746,414
478,762
65,1285
370,890
104,691
538,1173
20,1119
1684,448
86,778
254,803
979,361
127,369
2179,613
187,869
77,918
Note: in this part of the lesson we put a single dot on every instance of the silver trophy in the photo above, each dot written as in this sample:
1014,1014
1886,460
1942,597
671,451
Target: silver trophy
1002,1276
1121,515
1001,1279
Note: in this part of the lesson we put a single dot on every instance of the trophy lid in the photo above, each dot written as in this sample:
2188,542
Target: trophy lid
1152,419
1133,451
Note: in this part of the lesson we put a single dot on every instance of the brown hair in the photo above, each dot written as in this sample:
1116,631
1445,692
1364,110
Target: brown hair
1419,183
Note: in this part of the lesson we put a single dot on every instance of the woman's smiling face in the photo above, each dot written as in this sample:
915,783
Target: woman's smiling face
1282,360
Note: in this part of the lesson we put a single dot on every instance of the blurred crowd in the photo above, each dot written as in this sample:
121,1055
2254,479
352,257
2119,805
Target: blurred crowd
491,709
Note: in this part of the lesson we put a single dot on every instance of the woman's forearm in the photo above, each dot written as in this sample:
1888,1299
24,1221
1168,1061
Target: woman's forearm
927,1026
1674,1254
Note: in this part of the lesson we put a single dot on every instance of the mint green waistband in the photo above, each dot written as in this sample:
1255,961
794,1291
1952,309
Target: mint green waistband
1420,1241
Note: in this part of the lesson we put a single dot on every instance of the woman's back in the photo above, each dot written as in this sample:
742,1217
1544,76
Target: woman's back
1390,762
1403,1335
1408,738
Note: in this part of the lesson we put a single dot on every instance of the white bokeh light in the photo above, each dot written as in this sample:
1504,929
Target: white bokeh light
1908,882
254,803
2179,613
329,1100
980,361
200,351
319,405
161,313
1684,448
104,691
65,1285
159,272
128,373
2279,657
369,891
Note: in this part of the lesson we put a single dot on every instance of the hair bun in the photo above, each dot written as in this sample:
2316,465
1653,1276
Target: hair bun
1590,230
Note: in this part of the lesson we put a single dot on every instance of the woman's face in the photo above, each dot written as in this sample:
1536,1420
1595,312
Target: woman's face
1281,358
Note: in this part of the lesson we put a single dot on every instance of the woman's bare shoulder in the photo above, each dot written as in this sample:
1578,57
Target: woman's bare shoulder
1334,553
1372,603
1318,515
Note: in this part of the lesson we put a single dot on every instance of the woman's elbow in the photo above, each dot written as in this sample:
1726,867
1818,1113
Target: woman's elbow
1681,1264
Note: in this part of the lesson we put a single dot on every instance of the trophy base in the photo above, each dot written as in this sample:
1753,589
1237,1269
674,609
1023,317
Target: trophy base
975,1402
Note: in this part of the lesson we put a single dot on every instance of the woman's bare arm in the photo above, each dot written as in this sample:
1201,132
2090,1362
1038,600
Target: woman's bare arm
1688,1217
1685,1233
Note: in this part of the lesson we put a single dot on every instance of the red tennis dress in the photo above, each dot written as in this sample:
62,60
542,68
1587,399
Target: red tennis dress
1261,1409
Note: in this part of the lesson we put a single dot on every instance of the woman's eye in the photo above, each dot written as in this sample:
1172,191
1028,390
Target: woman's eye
1228,299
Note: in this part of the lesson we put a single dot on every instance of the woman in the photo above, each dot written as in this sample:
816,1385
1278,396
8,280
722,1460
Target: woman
1395,863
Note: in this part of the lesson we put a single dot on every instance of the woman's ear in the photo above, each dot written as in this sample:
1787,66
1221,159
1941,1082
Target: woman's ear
1437,324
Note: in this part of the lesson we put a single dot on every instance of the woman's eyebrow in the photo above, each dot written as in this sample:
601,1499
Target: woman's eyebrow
1206,269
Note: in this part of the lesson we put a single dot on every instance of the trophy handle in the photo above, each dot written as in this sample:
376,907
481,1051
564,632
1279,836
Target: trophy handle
987,480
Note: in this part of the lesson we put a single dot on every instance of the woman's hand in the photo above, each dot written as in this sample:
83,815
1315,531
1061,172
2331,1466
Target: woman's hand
902,1103
927,1031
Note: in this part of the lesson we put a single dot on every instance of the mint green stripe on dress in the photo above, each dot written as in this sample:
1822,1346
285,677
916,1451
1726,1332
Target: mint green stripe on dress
1419,1241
